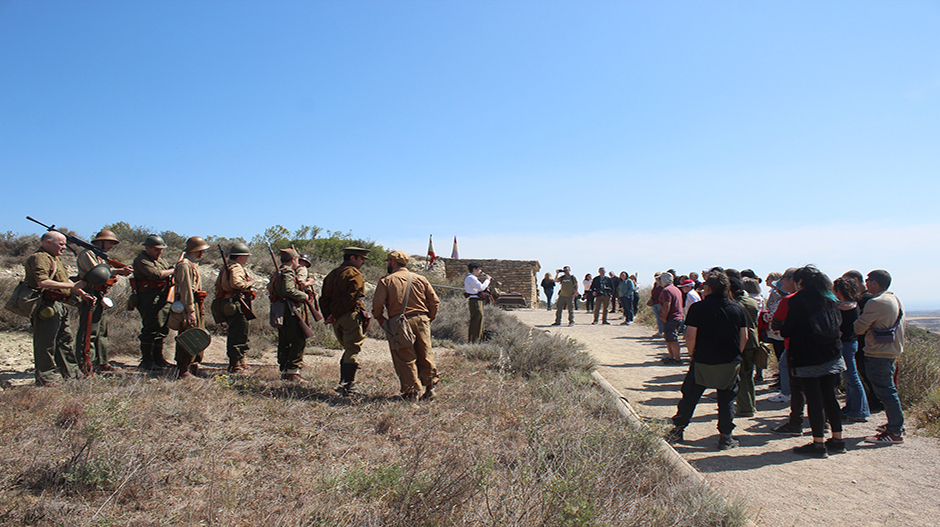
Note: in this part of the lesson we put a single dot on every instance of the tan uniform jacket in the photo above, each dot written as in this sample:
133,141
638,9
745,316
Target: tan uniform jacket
39,267
146,268
86,260
188,281
285,285
233,281
342,290
390,292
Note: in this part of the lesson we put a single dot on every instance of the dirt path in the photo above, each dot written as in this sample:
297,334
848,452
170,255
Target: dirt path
869,485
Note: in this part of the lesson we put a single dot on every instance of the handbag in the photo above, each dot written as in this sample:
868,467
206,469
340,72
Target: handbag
276,314
718,376
397,329
761,356
887,335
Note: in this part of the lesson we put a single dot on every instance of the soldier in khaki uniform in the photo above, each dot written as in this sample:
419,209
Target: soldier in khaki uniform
233,287
87,259
151,284
342,307
412,362
291,341
189,292
53,354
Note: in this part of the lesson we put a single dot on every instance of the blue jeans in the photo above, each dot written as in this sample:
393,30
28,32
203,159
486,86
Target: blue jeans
548,296
856,403
659,319
881,377
627,304
784,375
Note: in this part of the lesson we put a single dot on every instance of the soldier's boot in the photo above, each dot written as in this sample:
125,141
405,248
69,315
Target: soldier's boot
244,364
158,361
235,366
183,364
347,380
146,356
293,377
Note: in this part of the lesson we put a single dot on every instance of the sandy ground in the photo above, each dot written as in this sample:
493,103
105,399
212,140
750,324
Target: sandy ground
868,485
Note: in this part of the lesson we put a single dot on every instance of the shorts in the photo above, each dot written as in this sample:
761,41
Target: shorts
671,330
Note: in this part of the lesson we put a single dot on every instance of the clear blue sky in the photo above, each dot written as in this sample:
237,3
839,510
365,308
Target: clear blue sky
634,135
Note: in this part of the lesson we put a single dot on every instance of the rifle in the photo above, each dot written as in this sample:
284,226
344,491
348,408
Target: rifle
304,327
311,304
240,297
81,243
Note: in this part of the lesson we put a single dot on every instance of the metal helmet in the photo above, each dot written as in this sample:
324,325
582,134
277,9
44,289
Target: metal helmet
98,275
106,236
239,249
155,241
304,259
196,243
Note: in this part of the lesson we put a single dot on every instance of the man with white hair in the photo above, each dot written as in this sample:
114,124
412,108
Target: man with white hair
670,310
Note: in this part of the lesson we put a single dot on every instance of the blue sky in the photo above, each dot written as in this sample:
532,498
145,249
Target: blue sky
634,135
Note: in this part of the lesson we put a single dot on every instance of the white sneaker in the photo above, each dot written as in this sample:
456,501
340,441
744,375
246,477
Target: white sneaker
779,398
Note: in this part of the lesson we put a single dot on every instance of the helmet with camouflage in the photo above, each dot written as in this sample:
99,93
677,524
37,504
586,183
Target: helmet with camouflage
155,240
196,243
106,236
239,249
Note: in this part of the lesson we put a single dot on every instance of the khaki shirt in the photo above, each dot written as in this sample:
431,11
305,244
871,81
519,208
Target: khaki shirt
86,260
146,268
39,267
233,281
188,281
284,285
390,292
342,290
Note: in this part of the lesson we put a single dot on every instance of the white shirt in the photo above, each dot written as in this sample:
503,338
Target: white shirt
690,299
473,287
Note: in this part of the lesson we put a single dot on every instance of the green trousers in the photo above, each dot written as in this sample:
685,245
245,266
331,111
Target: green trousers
745,397
53,354
236,343
349,333
476,319
290,344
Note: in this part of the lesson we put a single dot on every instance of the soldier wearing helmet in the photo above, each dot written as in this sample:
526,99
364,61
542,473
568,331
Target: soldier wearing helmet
189,292
232,285
151,284
88,260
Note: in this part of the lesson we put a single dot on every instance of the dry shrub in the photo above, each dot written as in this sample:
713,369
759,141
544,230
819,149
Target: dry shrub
252,450
919,377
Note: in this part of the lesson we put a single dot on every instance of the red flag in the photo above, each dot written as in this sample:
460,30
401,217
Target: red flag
454,254
431,255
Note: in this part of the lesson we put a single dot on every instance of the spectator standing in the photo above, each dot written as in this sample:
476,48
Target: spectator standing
548,286
715,335
815,356
653,302
856,404
689,295
874,404
670,310
626,290
745,396
567,295
601,289
882,323
588,297
615,283
782,288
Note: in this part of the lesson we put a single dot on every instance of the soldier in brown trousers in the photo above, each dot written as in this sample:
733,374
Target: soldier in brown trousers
413,362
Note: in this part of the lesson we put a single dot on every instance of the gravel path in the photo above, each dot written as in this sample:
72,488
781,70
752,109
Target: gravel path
869,485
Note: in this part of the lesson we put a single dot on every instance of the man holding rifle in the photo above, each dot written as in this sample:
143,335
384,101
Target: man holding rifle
341,304
189,292
291,338
233,288
53,354
151,284
98,341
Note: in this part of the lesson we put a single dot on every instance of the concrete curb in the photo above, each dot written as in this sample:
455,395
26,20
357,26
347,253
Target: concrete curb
683,468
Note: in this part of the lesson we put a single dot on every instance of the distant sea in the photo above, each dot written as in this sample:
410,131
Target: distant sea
929,320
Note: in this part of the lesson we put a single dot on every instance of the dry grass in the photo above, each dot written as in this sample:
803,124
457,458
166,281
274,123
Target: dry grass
540,446
919,378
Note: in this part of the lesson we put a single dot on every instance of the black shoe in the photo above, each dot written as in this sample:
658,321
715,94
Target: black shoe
675,435
608,323
812,449
557,324
835,446
790,429
727,442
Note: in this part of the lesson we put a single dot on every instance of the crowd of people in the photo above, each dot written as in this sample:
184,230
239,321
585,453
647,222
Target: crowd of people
824,334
